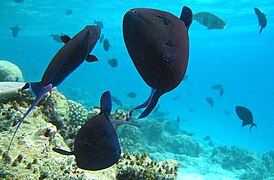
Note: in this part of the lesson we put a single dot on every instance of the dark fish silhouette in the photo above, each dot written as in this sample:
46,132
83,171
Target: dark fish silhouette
218,87
116,101
158,45
132,95
113,62
99,23
15,30
68,12
209,20
245,115
210,101
261,18
96,145
106,44
66,60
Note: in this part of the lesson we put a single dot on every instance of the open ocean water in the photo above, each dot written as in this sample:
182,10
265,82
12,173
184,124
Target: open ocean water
238,57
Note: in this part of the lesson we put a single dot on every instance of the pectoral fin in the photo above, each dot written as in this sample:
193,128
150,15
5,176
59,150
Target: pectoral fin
61,151
91,58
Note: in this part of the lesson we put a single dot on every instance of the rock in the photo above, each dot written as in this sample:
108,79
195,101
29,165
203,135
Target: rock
10,72
184,144
235,158
268,158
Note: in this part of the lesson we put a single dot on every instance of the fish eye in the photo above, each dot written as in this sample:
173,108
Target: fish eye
167,21
132,11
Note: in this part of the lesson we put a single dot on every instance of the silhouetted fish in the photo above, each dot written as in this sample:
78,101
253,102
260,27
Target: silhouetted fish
68,12
219,87
113,62
96,145
116,101
245,115
261,18
158,45
15,30
209,20
132,95
66,60
210,101
106,44
99,23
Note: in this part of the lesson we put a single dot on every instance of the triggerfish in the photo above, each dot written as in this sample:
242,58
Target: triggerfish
96,145
66,60
245,115
158,44
261,18
209,20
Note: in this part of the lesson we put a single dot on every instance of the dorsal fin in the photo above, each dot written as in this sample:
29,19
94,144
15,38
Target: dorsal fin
186,16
105,103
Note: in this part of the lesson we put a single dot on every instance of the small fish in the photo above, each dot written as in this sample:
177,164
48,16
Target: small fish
158,44
96,145
207,138
210,101
15,30
68,12
116,101
113,62
18,1
99,23
57,37
209,20
191,110
132,95
66,60
261,18
218,87
178,119
106,44
246,116
226,112
101,38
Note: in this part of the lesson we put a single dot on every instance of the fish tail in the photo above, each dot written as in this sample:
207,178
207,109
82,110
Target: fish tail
261,30
253,124
153,102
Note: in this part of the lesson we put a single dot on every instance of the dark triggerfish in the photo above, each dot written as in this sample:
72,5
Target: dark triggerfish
261,18
209,20
96,145
66,60
245,115
158,45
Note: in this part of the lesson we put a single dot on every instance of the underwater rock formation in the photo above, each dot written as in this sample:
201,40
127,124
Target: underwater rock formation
268,158
138,166
10,72
235,158
184,144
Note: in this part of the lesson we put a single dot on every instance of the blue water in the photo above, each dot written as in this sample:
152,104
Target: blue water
238,57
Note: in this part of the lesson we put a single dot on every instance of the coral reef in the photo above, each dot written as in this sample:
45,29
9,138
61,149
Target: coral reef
234,158
184,144
10,72
138,166
77,113
268,158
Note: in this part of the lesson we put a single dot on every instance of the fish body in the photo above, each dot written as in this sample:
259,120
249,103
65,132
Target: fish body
209,20
261,18
158,44
113,62
218,87
68,12
245,115
96,145
66,60
15,30
210,101
132,95
106,44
